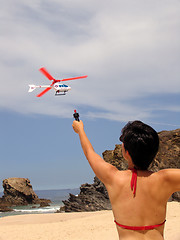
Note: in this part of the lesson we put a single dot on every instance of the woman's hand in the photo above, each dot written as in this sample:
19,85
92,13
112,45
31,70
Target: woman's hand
78,126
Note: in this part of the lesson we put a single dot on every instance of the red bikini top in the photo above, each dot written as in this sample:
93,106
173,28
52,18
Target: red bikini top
133,188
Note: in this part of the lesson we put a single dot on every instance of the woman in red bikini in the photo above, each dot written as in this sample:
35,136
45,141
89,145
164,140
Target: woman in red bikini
138,196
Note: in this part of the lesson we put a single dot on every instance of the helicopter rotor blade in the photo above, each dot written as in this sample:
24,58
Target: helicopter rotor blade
68,79
45,72
43,92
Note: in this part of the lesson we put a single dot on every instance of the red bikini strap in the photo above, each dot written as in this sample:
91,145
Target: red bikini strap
134,181
138,228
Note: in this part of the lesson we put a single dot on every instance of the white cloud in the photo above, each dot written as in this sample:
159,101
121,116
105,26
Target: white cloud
128,50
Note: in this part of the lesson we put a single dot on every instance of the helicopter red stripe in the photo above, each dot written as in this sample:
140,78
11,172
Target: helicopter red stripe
43,92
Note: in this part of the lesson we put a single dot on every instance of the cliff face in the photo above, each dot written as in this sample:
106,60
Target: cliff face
91,199
169,151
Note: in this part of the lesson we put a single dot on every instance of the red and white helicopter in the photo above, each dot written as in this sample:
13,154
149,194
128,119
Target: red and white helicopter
60,88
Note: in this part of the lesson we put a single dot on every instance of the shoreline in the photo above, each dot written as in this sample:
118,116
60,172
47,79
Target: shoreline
56,196
76,225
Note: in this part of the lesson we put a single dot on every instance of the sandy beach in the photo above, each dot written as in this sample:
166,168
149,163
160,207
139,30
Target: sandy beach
75,226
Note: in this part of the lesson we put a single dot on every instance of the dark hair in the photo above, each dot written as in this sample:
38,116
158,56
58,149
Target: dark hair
142,143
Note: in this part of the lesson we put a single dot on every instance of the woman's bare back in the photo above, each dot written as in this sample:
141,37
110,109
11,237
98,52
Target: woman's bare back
147,207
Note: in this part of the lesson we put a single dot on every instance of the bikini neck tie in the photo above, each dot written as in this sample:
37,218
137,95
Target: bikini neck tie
133,180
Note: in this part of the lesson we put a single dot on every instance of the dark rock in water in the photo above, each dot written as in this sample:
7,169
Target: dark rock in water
62,209
94,197
5,209
44,203
18,191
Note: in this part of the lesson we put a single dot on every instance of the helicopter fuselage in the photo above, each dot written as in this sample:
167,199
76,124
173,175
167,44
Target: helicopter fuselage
58,87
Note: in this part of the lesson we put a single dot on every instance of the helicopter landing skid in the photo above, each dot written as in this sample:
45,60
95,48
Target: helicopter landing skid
60,94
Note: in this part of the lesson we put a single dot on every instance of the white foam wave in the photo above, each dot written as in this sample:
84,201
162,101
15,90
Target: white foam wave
37,210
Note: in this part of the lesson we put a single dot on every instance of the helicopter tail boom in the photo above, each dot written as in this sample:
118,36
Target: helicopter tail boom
33,87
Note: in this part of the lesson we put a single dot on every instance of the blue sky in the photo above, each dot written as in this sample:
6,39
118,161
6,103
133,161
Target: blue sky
129,50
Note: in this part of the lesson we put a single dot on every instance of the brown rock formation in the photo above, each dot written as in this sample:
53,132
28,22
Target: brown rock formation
169,151
91,199
18,191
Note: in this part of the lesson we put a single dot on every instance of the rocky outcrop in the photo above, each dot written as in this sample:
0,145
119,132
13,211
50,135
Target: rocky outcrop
44,203
18,191
94,197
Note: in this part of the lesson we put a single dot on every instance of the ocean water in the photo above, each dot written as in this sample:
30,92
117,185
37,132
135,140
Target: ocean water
56,197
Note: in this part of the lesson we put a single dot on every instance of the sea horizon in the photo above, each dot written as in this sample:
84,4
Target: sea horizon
55,195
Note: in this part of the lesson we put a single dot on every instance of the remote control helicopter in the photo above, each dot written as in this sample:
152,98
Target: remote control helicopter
56,84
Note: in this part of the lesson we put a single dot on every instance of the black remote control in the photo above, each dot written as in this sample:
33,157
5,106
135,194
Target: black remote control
76,116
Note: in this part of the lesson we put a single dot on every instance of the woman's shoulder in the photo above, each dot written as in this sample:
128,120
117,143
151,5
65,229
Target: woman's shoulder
170,177
167,172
